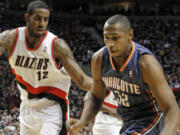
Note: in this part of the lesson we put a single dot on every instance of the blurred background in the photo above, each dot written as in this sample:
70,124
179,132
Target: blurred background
156,25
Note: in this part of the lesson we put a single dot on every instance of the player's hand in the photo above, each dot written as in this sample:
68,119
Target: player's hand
74,125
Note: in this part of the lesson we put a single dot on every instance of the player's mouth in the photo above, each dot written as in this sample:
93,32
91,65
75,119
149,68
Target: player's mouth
113,51
40,31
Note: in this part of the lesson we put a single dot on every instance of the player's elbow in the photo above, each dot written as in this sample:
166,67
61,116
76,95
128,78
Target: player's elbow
173,111
84,83
177,115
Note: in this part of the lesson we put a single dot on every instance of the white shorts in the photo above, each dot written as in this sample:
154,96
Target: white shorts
46,128
44,119
106,124
106,130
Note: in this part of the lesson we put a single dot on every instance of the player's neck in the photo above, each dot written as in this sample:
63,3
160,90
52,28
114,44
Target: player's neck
33,41
120,60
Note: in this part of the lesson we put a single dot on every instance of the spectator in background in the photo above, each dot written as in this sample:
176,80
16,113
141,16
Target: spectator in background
71,30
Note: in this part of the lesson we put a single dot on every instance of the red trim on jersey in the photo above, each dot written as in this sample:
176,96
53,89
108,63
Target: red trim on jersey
154,110
151,125
14,45
37,47
110,105
46,89
53,56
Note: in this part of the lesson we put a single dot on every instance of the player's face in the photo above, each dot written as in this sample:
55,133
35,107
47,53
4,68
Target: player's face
37,22
116,40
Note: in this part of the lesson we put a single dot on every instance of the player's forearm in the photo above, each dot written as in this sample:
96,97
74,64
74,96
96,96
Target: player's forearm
172,122
91,108
83,81
87,83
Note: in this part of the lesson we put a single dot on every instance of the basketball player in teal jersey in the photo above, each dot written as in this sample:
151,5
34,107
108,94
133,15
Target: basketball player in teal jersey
137,80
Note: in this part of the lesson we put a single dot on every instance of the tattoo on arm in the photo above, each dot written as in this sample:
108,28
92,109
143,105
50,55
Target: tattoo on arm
2,50
62,50
7,39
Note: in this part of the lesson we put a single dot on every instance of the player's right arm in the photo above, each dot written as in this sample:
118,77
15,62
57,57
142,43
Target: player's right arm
95,97
7,39
110,110
62,51
107,108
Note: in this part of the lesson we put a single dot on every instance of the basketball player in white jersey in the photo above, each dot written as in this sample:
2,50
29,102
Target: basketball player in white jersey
107,121
43,84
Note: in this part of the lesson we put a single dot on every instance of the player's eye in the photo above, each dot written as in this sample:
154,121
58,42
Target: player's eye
114,38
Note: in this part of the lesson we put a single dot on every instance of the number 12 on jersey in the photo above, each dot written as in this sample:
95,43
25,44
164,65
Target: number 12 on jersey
42,75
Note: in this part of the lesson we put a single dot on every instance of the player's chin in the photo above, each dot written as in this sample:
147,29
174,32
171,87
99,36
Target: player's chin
114,54
38,35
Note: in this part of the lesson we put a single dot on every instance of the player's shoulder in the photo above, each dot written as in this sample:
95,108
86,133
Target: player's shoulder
10,33
51,34
61,48
60,44
97,56
147,60
141,49
8,38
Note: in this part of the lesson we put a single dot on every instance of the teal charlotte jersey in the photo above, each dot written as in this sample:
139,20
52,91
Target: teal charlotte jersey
136,105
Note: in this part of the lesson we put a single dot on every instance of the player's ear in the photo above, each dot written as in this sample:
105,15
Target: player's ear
26,17
130,34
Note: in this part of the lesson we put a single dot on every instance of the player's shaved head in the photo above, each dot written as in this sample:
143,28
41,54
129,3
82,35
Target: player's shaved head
121,21
36,4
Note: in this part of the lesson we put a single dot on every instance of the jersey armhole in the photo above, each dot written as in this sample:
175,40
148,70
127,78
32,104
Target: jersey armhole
146,85
107,93
53,56
103,59
14,45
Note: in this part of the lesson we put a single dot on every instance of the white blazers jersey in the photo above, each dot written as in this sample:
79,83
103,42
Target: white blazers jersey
105,124
36,71
106,119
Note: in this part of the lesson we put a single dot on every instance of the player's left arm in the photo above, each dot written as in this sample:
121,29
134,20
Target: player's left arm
62,51
153,75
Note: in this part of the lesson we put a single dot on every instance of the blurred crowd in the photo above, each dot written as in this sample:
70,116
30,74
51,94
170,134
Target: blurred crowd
160,36
163,39
98,7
